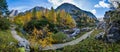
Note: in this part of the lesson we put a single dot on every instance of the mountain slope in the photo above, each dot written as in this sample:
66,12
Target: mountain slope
13,13
72,9
37,8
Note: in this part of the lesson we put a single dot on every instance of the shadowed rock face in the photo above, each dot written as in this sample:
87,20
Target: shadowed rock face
99,36
112,26
114,32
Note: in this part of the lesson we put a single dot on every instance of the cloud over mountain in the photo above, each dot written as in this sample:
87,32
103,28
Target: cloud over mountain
102,4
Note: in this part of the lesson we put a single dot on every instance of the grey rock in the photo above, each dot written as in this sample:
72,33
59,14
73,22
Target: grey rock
85,29
99,36
76,31
112,27
72,32
113,35
24,44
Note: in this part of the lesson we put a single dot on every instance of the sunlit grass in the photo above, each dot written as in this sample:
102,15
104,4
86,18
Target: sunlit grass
7,42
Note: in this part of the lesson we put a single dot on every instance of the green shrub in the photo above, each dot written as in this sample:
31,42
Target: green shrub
59,37
39,24
4,24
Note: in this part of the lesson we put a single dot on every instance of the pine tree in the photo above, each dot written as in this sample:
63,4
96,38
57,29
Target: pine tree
53,15
3,7
34,13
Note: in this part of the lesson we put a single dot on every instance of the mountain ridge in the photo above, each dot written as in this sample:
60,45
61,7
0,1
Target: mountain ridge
70,7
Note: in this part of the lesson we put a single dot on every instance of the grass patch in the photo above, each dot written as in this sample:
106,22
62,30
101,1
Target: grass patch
7,42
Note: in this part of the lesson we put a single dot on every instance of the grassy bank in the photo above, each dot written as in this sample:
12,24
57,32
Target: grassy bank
7,42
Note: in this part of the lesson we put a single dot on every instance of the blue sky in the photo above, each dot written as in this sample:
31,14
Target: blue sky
97,7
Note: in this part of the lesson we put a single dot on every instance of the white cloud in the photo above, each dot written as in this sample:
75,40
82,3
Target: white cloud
102,4
97,6
59,2
93,11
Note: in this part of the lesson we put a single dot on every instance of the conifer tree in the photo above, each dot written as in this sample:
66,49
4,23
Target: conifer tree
34,13
3,7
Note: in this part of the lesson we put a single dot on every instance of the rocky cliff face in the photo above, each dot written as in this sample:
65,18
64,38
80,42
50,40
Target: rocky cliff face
13,13
112,28
113,33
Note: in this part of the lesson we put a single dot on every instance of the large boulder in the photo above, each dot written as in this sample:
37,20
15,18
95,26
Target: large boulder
72,32
85,29
24,44
99,36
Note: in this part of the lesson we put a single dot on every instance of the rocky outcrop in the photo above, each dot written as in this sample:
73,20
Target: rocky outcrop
113,34
72,32
85,29
24,44
99,36
112,27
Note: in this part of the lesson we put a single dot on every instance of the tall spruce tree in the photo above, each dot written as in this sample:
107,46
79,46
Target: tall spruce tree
34,13
3,8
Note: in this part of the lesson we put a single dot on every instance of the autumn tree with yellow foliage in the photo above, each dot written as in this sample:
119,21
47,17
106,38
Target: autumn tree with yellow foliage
60,18
65,20
41,37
